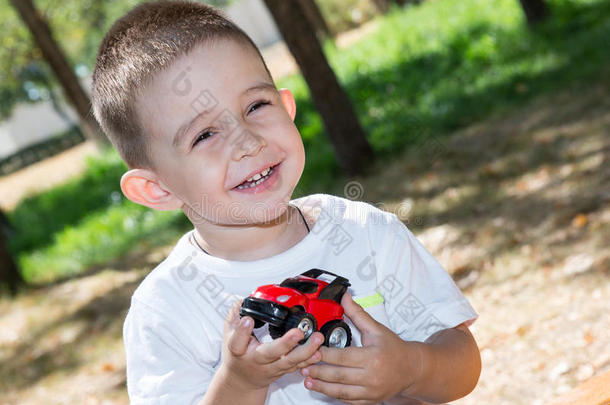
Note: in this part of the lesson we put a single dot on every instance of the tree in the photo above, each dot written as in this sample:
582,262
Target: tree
315,17
354,153
41,33
535,10
9,274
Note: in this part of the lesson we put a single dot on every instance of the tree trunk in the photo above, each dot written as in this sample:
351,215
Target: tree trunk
354,153
535,10
9,274
41,33
315,17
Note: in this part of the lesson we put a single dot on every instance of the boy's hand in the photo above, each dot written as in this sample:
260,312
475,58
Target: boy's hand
251,365
384,366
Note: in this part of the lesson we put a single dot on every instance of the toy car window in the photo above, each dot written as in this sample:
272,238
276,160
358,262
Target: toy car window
306,287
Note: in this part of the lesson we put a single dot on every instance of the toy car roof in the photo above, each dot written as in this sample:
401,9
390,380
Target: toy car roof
335,289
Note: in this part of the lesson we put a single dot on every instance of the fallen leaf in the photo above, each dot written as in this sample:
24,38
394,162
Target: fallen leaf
522,330
589,338
580,220
521,185
487,170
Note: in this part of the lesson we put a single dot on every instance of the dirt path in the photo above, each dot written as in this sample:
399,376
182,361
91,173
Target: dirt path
516,208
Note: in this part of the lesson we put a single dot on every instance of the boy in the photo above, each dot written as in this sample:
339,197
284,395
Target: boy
189,103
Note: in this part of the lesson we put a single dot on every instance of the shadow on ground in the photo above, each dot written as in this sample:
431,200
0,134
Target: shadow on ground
61,343
537,180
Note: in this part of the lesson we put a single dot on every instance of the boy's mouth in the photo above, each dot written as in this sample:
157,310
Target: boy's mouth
257,179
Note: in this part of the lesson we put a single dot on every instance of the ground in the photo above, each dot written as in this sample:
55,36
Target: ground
517,208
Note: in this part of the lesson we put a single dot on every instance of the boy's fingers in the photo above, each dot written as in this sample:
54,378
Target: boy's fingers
240,338
232,318
270,352
315,358
339,391
302,353
336,374
349,356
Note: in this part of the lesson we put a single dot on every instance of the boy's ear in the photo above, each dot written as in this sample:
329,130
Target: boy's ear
143,187
288,101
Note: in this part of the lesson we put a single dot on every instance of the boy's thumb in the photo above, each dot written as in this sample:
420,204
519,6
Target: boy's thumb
240,338
359,317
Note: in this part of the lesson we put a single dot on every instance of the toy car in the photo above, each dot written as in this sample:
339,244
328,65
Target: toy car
305,302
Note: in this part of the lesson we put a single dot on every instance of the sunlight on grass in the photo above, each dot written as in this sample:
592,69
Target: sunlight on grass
97,238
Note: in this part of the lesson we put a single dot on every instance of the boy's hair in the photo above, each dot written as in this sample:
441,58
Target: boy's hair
143,42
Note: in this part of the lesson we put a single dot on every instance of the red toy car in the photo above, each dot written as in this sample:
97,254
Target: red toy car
305,302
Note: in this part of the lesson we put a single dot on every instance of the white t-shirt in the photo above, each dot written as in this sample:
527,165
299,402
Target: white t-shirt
174,326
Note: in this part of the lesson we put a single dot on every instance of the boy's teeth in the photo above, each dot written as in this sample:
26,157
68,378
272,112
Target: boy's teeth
258,175
256,179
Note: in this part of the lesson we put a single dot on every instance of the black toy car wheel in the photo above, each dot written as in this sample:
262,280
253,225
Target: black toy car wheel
276,331
301,320
336,334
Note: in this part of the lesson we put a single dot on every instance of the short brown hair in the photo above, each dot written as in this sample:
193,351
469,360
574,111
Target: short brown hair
140,44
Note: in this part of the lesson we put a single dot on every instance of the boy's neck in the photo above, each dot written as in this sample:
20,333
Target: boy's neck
246,243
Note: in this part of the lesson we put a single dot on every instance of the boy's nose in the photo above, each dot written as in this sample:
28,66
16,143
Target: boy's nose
247,143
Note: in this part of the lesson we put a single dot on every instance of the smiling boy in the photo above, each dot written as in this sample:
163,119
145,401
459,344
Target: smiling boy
204,168
190,105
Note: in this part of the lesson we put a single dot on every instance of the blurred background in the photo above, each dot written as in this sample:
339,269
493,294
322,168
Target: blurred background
483,125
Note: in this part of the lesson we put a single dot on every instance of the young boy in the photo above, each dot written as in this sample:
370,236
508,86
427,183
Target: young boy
189,103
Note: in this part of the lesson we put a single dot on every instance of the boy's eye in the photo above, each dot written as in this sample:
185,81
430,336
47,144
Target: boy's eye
202,136
257,105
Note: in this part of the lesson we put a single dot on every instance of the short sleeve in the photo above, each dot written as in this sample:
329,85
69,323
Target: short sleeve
160,369
420,297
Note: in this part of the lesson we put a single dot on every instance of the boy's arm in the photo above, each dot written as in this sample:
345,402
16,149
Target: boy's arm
224,390
449,364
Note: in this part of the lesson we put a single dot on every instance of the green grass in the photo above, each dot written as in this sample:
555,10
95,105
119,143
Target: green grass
85,222
447,64
98,237
40,217
424,72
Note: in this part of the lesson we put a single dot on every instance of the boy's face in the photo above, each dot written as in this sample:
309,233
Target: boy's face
201,158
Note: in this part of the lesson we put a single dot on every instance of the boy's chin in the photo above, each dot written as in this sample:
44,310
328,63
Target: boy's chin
263,213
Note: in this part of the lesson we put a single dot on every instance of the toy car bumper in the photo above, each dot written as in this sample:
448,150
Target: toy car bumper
264,310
